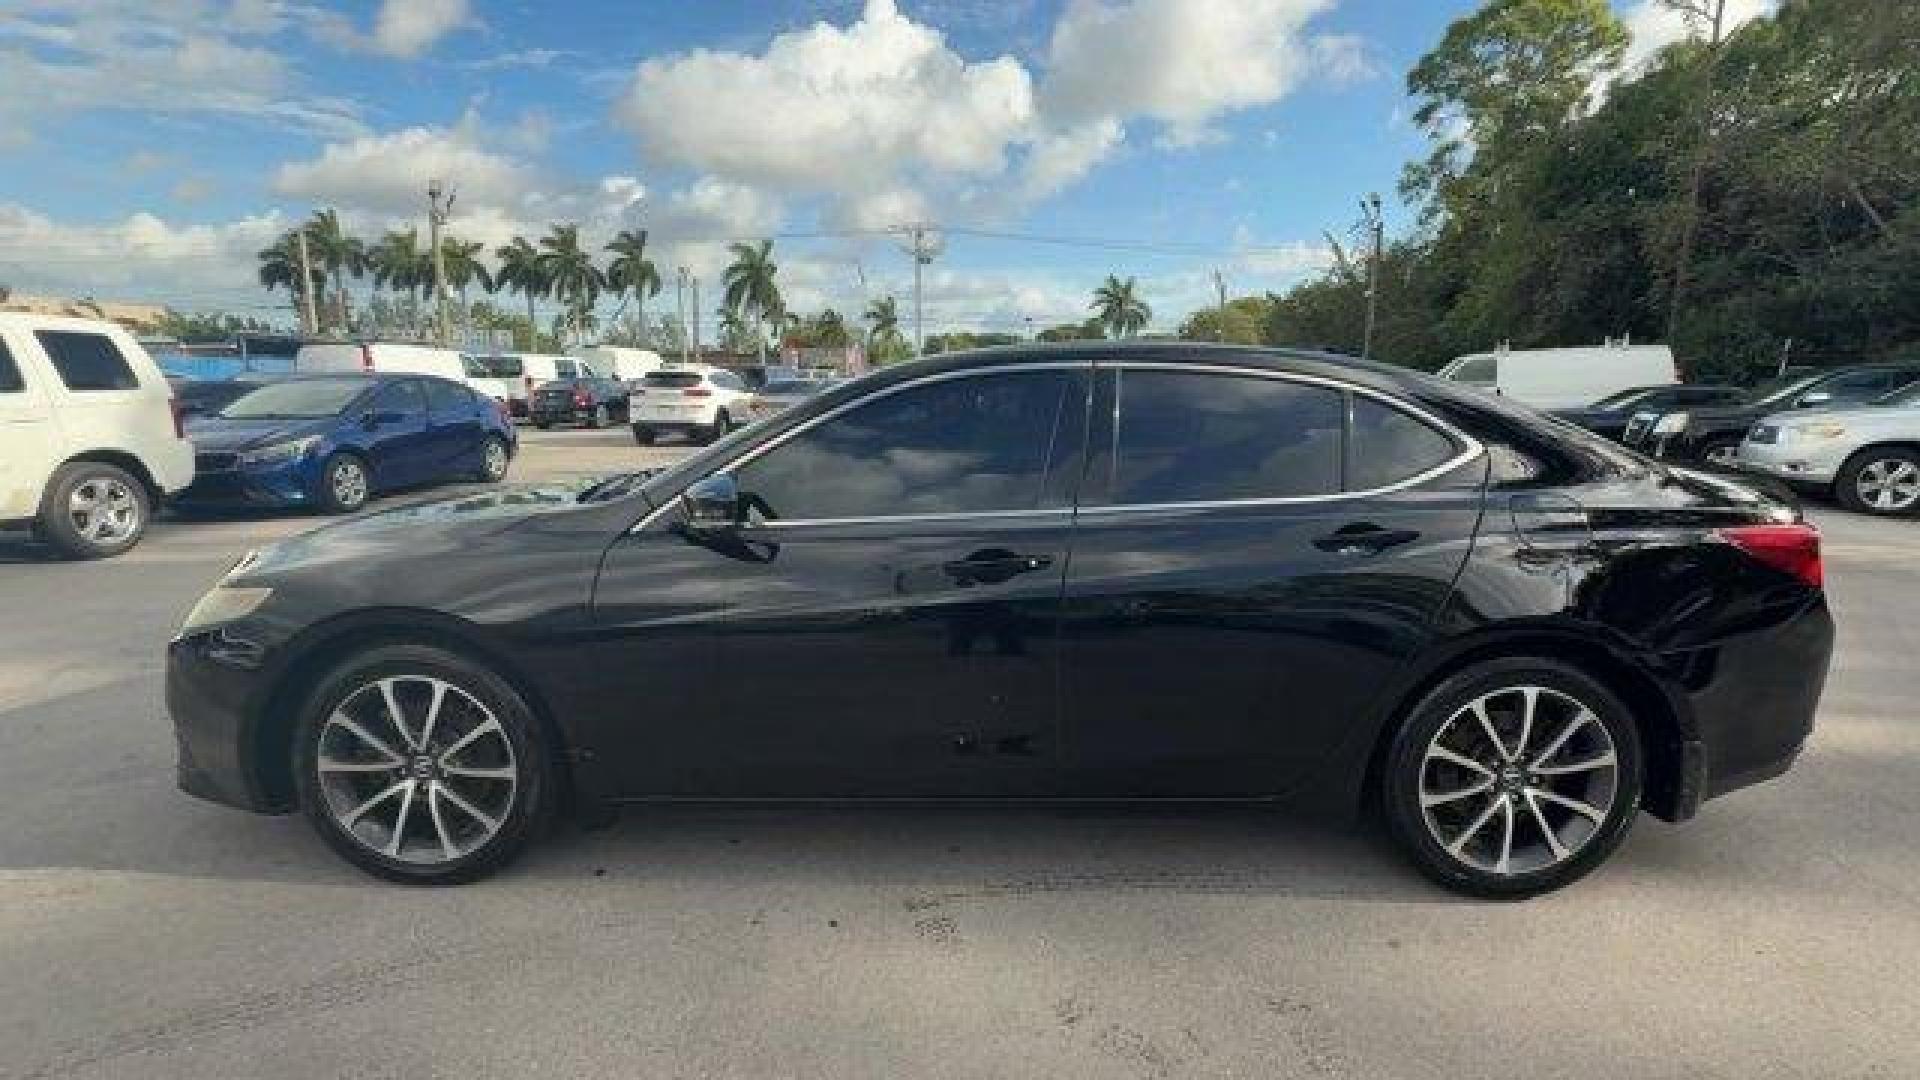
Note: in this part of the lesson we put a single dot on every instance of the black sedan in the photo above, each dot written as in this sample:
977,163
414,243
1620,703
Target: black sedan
1156,571
589,402
1608,417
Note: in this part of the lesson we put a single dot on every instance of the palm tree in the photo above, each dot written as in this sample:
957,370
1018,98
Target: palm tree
884,314
520,272
280,266
399,264
462,259
632,272
336,253
1119,308
576,282
750,288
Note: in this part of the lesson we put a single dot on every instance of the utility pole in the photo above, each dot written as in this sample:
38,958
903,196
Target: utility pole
308,322
436,221
1376,227
923,253
695,279
1715,11
680,307
1220,288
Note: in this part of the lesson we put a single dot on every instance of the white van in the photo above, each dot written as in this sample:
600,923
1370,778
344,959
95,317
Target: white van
1565,378
617,362
90,438
512,376
381,356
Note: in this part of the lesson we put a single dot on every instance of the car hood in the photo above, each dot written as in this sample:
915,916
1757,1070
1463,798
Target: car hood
219,435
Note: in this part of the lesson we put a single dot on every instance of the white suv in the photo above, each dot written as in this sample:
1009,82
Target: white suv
698,401
90,439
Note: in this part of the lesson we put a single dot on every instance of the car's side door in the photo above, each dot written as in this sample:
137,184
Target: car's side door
394,425
454,429
27,436
881,620
1257,554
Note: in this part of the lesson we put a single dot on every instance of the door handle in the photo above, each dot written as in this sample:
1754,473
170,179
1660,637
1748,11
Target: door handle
993,567
1363,538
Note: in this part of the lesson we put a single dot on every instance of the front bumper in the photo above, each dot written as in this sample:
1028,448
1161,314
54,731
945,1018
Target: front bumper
1803,463
290,484
215,700
1753,699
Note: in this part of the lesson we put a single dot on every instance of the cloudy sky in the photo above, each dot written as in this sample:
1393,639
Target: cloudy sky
149,147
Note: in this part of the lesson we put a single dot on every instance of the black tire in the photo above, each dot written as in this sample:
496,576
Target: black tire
339,493
645,436
716,431
495,456
543,425
352,686
1847,482
598,417
1407,764
93,510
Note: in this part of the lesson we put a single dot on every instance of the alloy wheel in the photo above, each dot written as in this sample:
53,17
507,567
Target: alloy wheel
1889,484
1518,780
416,769
349,483
103,510
495,460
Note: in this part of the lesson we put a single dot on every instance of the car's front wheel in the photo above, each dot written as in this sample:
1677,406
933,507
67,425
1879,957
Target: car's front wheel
344,486
1513,777
494,458
1880,480
421,767
644,435
93,510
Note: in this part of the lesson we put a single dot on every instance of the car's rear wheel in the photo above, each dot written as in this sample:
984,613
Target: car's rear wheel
1880,480
598,417
645,436
722,423
494,458
419,766
92,510
344,486
1513,778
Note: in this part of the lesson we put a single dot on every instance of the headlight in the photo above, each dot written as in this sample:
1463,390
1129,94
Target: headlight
1807,433
223,604
1671,424
280,453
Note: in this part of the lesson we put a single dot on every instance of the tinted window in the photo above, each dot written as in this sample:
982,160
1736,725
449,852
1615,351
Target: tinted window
297,399
1389,446
726,380
10,382
965,445
443,396
87,361
401,397
671,378
566,369
793,386
1481,368
1861,385
1193,437
494,367
1639,395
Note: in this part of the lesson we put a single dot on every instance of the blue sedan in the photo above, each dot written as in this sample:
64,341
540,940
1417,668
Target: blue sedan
333,441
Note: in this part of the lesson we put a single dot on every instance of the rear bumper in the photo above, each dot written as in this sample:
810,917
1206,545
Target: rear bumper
1753,700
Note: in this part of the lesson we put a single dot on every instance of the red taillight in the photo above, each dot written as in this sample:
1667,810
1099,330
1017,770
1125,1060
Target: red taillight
366,357
1792,549
697,391
179,418
580,398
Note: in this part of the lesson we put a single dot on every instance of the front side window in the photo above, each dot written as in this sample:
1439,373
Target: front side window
296,399
977,444
401,398
10,381
1206,437
87,361
443,396
1388,446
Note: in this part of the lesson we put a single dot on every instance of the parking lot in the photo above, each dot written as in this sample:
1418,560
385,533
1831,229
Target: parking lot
146,934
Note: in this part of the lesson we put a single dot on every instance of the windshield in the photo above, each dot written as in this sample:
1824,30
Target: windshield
796,387
1624,398
1906,395
302,399
494,367
672,378
1774,391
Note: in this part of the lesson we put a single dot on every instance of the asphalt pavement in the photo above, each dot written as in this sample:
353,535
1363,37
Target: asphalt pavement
146,934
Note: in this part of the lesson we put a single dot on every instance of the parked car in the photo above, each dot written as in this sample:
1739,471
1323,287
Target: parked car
780,395
90,439
757,376
703,403
628,365
333,441
1712,434
589,401
1608,417
198,397
1148,570
363,357
1564,378
511,377
1867,458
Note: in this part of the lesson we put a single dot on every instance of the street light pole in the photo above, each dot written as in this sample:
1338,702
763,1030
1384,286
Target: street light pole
1370,207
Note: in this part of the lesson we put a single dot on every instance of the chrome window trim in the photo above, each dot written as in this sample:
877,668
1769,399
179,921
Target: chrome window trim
1471,448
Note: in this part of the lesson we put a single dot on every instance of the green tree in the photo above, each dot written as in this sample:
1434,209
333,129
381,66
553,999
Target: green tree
631,272
279,267
1091,330
1242,322
464,266
1119,308
339,255
521,272
399,264
570,273
751,288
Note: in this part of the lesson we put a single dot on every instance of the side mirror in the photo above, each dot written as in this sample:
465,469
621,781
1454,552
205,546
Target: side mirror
713,503
1814,397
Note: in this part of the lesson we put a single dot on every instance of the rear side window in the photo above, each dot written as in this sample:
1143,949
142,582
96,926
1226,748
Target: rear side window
87,361
672,379
444,396
1390,446
10,381
566,369
1205,437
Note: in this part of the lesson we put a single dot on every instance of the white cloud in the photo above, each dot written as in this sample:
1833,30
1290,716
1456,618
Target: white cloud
389,173
408,27
142,257
519,58
1184,63
1652,26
